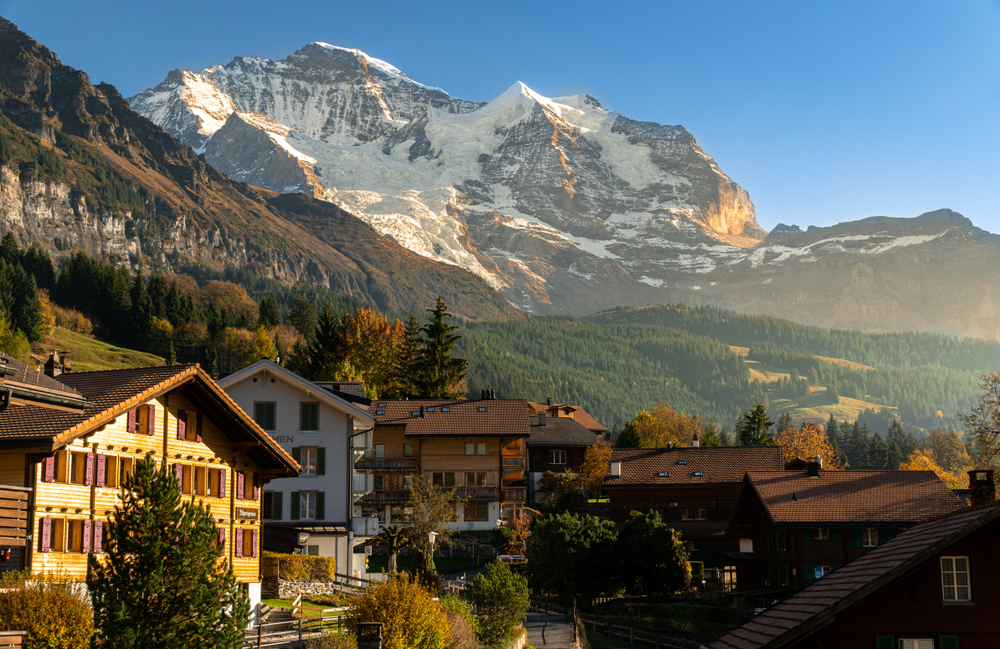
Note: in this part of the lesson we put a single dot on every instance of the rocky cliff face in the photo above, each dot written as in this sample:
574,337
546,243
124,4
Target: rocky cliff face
561,205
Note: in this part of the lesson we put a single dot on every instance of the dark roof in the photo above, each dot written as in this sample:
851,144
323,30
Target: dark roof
27,384
581,415
792,497
353,391
819,604
111,393
640,467
454,418
560,431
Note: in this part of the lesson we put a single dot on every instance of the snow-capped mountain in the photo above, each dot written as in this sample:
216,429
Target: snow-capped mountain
560,204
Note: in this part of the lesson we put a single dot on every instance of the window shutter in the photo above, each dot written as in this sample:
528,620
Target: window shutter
222,483
887,534
253,547
810,572
46,529
88,475
181,424
222,539
885,642
131,420
179,472
296,505
297,454
98,536
256,487
151,419
239,541
858,541
949,642
768,538
321,461
320,506
102,469
88,534
276,506
835,534
807,534
240,485
197,427
49,469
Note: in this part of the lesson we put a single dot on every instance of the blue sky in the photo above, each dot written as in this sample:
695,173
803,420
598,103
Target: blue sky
824,113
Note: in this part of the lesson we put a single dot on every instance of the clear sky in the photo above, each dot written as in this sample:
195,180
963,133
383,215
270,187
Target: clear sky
824,112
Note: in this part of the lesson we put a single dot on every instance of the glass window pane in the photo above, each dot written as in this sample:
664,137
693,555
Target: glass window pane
264,414
481,448
449,480
470,448
407,450
309,416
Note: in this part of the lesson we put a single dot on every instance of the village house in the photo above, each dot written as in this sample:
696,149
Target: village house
325,429
70,444
475,446
796,526
931,587
693,488
556,444
566,411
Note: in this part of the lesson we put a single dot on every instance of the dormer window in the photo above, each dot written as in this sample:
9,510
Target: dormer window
682,462
381,412
698,474
415,413
661,474
430,409
381,404
446,409
482,408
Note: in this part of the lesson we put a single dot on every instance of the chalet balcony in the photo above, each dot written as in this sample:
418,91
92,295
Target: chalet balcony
361,482
386,464
385,497
477,493
513,462
515,494
365,525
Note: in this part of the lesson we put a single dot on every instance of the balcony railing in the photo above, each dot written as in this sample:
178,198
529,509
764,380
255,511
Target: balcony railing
365,526
362,441
477,493
515,494
383,464
361,482
513,462
398,496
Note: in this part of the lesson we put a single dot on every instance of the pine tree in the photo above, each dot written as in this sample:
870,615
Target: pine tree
160,584
27,306
212,362
756,429
302,316
784,422
10,252
326,349
441,374
408,360
142,312
171,355
269,313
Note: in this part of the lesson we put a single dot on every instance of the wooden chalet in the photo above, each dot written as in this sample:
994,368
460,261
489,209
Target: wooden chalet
556,444
794,527
71,448
476,446
566,411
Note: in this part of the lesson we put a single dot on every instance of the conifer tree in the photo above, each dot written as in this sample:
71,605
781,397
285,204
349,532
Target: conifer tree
440,373
269,314
756,427
171,355
409,359
326,349
162,582
142,311
784,422
302,316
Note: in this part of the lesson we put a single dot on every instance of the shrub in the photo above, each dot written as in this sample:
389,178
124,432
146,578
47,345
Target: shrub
464,627
53,611
333,641
501,599
410,617
303,566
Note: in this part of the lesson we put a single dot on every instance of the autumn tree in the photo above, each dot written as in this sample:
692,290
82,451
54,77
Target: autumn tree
411,616
520,533
432,508
923,460
662,425
949,450
230,299
595,465
982,421
393,538
807,441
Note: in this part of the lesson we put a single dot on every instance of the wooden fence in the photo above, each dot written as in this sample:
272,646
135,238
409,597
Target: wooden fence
14,505
12,638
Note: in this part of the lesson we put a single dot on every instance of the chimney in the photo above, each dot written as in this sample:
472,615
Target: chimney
493,395
670,444
815,464
694,442
616,469
67,366
53,367
548,401
482,395
541,419
982,489
421,412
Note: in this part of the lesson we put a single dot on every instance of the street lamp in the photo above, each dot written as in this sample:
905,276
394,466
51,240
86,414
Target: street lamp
431,537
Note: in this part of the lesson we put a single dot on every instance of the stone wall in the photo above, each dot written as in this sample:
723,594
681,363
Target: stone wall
273,588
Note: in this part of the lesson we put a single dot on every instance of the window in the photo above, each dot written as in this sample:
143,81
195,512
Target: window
408,482
822,570
557,457
271,507
312,550
916,643
124,469
199,481
380,450
308,463
821,534
693,513
481,448
186,475
477,511
107,471
955,579
77,468
248,545
264,414
475,448
307,505
686,514
746,545
407,450
475,478
444,479
74,536
309,417
379,483
869,537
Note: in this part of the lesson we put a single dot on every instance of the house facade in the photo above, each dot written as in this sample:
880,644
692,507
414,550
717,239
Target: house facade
474,446
72,458
794,527
556,444
930,587
325,430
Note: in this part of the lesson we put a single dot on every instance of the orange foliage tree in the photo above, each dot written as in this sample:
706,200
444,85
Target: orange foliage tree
662,424
595,465
807,441
922,459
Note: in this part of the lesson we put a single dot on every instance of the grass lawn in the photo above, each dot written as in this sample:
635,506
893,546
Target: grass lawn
88,354
287,603
444,565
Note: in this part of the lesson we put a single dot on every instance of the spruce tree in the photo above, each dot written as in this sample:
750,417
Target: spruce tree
784,422
171,355
326,349
409,359
268,312
756,427
302,316
161,583
440,372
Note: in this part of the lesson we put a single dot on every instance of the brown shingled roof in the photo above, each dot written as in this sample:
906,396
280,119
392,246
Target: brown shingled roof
30,384
579,414
455,418
561,431
640,467
818,605
852,496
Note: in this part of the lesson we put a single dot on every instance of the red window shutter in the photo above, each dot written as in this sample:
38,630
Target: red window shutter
239,542
222,483
132,420
88,534
240,485
98,536
49,469
256,486
46,529
181,424
222,539
197,428
102,470
88,476
253,550
151,419
179,472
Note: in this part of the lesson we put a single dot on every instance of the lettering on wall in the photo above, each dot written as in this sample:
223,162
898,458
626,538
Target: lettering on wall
286,439
246,514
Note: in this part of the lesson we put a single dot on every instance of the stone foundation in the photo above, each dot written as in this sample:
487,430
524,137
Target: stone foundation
289,588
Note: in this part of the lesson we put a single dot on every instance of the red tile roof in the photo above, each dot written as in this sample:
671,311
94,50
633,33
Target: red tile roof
560,431
640,467
818,605
455,418
15,374
793,497
579,414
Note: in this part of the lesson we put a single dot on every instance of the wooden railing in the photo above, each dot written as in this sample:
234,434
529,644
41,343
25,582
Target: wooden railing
515,494
384,464
400,496
14,505
477,493
513,461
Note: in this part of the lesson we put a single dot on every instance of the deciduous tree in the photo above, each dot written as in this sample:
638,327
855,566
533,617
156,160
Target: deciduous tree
807,441
595,465
568,554
923,460
432,508
501,600
652,557
410,616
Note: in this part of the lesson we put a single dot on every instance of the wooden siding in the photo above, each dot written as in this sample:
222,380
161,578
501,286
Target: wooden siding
13,469
64,501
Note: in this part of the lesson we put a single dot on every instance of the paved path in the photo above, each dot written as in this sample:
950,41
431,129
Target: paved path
545,630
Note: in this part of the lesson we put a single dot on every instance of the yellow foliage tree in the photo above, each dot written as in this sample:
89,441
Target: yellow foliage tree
595,465
230,298
260,346
48,316
410,617
807,441
662,424
922,459
949,450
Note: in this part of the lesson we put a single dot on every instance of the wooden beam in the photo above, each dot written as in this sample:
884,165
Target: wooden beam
239,448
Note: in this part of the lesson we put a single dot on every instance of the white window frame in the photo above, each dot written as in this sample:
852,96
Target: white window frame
822,571
869,537
821,534
916,643
954,575
557,457
309,456
307,505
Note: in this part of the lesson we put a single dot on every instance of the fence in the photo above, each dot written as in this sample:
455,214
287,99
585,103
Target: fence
294,629
12,638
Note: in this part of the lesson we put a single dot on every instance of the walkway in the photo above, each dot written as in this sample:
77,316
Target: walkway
545,630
